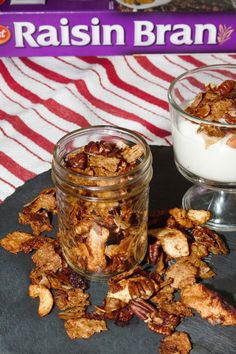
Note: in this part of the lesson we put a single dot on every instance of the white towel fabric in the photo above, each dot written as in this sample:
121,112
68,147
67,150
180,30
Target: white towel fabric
43,98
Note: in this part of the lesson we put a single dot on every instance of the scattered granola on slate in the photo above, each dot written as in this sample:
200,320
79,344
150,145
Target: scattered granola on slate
178,243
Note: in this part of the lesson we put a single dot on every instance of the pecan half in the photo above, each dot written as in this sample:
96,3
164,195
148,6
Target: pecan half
157,320
154,252
224,88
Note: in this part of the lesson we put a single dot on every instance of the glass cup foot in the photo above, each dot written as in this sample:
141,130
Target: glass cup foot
222,205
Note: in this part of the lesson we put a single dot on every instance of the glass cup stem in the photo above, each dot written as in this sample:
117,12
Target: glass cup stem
222,205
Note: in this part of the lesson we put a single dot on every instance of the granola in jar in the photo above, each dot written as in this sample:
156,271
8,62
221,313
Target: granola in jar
102,177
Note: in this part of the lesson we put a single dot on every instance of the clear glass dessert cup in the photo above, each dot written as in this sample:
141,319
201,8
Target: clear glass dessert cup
207,161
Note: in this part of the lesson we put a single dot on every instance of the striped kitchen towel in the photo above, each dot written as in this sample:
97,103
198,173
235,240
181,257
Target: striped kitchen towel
43,98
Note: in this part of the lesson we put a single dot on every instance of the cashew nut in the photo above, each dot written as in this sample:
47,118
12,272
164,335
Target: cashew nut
45,298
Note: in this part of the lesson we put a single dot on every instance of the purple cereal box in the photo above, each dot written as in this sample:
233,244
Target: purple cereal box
103,27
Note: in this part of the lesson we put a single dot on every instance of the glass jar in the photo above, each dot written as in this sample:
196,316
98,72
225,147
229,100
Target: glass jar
102,219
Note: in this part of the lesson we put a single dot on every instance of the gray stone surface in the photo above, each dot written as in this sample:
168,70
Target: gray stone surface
23,332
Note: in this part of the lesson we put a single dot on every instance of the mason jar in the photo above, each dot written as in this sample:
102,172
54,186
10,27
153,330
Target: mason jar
102,176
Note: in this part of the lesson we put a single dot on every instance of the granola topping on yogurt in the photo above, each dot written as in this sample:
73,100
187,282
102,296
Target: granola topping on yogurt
205,149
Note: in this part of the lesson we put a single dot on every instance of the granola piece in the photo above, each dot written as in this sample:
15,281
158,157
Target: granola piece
124,315
210,239
38,221
210,94
71,298
84,327
45,200
96,243
120,254
100,171
209,305
80,253
176,343
38,277
72,313
174,242
203,111
183,273
76,161
190,218
216,104
114,281
108,163
14,242
197,252
135,287
220,108
198,99
211,130
230,116
133,154
180,215
123,249
37,213
176,308
45,298
157,320
36,242
47,259
83,227
204,271
165,294
110,308
116,310
198,217
55,281
172,223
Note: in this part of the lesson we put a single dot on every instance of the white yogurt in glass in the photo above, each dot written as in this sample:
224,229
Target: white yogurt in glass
216,162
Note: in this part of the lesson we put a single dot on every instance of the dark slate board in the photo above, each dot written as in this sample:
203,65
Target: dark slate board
23,332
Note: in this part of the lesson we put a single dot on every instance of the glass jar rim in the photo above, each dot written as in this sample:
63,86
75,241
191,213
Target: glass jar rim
188,116
143,164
